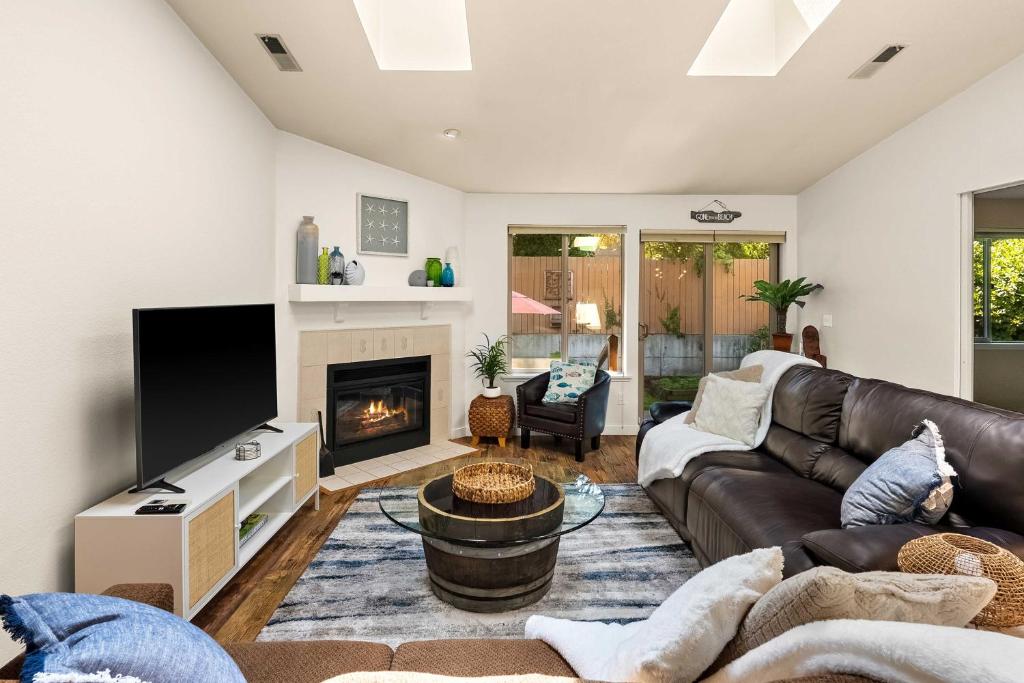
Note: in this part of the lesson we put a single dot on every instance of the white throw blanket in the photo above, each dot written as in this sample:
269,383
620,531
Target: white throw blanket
669,446
882,650
680,639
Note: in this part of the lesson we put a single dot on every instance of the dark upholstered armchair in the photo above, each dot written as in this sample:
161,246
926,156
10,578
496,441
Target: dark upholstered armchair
579,422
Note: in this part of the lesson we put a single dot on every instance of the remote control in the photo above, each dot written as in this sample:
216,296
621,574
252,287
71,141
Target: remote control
172,509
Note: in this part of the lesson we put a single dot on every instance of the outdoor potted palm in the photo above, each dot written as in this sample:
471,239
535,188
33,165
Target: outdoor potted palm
780,296
489,360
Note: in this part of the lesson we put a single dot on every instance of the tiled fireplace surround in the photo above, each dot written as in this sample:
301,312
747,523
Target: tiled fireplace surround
320,348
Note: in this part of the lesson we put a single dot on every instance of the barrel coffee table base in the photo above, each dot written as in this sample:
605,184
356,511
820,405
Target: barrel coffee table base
493,557
490,579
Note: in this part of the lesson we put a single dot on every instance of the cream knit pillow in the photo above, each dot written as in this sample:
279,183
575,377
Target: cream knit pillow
731,408
830,593
748,374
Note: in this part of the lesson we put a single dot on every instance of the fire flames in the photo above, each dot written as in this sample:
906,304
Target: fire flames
377,412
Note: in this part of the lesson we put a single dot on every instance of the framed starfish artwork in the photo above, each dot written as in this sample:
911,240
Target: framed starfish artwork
383,225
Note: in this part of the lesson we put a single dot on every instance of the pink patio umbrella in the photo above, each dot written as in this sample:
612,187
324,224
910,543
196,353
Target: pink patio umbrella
524,304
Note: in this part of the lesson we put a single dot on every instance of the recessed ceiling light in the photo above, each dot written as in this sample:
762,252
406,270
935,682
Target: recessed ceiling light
451,133
417,35
758,37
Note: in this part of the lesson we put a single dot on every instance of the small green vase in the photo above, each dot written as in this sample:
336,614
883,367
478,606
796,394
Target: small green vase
323,268
433,268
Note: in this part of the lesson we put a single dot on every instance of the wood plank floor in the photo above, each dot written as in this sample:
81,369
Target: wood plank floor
246,603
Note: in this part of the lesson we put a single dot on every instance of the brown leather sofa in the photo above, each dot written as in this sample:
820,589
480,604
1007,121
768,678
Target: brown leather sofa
314,661
827,426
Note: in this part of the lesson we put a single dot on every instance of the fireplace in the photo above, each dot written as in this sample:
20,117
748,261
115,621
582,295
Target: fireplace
377,407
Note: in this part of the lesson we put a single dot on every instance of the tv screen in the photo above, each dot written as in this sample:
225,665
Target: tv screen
203,376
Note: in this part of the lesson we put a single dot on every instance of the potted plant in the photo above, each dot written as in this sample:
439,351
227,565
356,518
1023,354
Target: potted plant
488,361
780,296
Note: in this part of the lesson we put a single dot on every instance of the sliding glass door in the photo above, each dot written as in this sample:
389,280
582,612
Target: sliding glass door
739,327
692,317
672,320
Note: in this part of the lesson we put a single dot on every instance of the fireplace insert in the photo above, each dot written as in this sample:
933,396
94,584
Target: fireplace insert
377,407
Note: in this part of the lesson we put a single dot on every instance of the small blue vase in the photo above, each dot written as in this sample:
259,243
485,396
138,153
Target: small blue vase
447,276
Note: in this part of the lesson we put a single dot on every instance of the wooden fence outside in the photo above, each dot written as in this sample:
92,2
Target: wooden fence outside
666,284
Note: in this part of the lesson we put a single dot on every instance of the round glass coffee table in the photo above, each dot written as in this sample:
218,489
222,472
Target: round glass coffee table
494,557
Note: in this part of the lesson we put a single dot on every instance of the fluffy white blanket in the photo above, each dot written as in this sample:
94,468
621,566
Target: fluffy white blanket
680,639
669,446
99,677
883,650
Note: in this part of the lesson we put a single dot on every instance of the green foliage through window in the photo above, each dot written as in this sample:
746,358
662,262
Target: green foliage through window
612,317
671,322
1006,289
551,245
693,252
671,388
759,339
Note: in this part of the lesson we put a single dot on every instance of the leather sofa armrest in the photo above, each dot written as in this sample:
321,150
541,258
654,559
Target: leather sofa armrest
660,412
593,405
160,595
666,410
532,391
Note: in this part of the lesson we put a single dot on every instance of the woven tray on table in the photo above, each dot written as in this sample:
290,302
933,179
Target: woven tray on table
491,417
493,482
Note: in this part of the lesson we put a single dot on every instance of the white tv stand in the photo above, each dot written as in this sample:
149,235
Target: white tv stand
197,551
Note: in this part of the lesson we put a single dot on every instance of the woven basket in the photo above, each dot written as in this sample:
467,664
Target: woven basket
492,416
493,482
959,554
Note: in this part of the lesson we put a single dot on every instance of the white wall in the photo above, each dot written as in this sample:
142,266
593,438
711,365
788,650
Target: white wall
882,233
133,172
489,215
320,181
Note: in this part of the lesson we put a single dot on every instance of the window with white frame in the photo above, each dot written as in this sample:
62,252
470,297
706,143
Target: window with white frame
565,295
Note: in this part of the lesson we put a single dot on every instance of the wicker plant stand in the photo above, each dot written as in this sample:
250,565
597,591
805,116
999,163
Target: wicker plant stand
492,417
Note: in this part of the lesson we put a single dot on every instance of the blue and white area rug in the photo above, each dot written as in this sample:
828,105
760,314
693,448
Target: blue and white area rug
369,580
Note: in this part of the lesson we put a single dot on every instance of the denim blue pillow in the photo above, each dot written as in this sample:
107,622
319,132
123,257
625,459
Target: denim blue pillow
77,633
908,483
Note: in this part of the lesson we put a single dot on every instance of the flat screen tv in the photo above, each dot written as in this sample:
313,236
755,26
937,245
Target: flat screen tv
203,376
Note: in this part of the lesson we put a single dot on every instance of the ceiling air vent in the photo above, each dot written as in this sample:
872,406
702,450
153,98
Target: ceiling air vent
278,52
878,61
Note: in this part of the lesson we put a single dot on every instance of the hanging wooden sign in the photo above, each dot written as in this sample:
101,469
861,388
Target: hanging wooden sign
709,216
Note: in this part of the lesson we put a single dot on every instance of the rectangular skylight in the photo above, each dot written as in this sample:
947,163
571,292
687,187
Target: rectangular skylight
417,35
758,37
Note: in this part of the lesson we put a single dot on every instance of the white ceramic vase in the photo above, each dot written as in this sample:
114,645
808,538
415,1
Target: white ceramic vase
492,392
354,273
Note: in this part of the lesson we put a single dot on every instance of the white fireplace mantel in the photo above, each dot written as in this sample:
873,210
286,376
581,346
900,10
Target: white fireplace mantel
343,295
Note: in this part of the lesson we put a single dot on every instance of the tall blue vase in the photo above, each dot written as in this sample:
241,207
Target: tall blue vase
447,276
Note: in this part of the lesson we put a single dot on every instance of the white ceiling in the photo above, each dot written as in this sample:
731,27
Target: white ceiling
593,96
